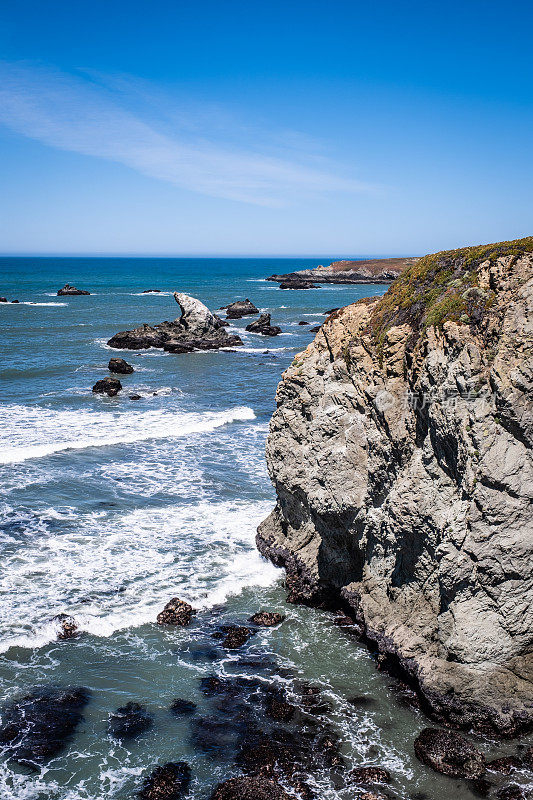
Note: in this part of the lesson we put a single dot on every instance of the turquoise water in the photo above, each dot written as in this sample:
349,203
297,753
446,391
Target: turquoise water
111,507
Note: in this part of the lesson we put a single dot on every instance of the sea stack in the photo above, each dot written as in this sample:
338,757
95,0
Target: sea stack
413,509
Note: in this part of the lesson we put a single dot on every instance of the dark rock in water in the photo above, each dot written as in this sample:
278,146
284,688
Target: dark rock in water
37,727
67,626
267,619
234,635
361,701
214,735
369,775
331,311
3,299
303,322
15,301
213,685
449,753
528,757
129,721
151,291
297,283
135,396
311,699
505,764
249,788
480,787
183,708
108,386
345,622
176,612
120,366
263,326
196,329
169,782
280,710
222,322
512,792
69,291
315,329
241,308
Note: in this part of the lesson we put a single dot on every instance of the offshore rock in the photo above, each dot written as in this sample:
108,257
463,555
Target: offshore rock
69,291
120,366
241,308
400,452
196,329
130,721
37,727
108,386
176,612
267,619
67,626
263,326
297,283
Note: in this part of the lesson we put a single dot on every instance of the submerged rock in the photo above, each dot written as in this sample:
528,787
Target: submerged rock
267,619
135,396
176,612
120,366
69,291
233,636
151,291
241,308
449,753
505,764
108,386
129,721
196,329
169,782
249,788
512,792
263,326
411,504
183,708
38,726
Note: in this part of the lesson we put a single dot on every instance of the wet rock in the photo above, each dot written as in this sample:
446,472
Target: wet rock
249,788
37,727
196,329
263,326
151,291
183,708
366,775
176,612
234,636
108,386
67,626
15,301
505,764
449,753
168,782
311,699
528,757
511,792
70,291
241,308
213,735
120,366
135,396
303,322
315,329
267,619
280,710
480,787
129,721
331,311
3,299
297,283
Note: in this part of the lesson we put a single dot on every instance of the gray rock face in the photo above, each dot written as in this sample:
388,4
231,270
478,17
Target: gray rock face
70,291
196,329
263,326
400,451
240,308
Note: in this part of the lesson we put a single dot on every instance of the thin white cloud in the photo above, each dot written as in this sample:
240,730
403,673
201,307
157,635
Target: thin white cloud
79,114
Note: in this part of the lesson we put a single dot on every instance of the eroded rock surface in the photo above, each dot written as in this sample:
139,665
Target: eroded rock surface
196,329
400,451
263,326
240,308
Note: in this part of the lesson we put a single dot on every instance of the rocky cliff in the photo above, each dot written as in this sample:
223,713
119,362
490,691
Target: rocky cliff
376,270
400,451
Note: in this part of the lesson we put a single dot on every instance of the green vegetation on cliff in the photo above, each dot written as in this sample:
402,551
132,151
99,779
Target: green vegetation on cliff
442,287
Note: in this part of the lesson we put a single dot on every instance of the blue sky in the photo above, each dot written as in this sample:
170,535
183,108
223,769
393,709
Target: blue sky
327,128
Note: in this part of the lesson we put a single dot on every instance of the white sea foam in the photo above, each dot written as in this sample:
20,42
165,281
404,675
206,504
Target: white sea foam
116,571
33,432
31,303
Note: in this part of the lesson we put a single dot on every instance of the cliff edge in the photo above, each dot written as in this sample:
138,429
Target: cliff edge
400,451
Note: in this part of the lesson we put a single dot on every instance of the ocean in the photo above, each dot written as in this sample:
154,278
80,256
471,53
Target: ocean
111,507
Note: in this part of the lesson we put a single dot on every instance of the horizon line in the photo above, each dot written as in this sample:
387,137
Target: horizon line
358,257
